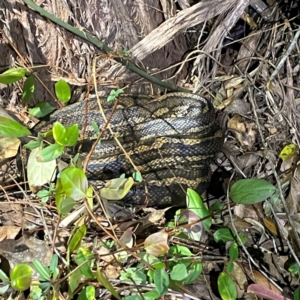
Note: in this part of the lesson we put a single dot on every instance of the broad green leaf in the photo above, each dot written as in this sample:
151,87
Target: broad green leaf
117,188
63,91
11,128
161,281
151,295
157,243
65,206
85,255
250,191
20,277
32,145
196,205
77,238
50,153
39,173
133,274
87,293
59,133
224,235
12,75
226,287
230,267
103,280
74,183
234,251
41,109
179,272
44,272
193,273
71,135
179,250
28,88
74,280
151,260
65,136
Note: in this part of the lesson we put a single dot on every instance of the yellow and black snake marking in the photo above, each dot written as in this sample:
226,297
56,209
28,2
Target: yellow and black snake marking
171,139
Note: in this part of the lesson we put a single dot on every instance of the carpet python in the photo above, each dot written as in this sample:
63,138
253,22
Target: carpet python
172,140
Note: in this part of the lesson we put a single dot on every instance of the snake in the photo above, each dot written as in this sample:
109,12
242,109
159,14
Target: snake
172,140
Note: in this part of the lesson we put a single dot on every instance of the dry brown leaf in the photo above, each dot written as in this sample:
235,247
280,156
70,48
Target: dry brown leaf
258,278
8,147
9,232
243,131
240,279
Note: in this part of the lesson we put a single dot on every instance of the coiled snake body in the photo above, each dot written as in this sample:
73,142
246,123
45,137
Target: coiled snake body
171,139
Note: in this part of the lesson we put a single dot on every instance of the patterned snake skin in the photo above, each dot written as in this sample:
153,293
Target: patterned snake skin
171,139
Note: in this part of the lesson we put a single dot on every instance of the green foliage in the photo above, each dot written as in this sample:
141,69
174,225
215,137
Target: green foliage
62,91
196,205
11,128
20,277
12,75
41,109
250,191
114,94
28,88
226,287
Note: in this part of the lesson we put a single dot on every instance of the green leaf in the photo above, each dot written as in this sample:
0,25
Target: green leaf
226,287
50,153
39,173
234,251
53,262
28,88
161,281
20,277
102,279
32,145
65,206
137,176
87,293
71,135
193,273
180,250
85,255
224,235
250,191
179,272
196,205
11,128
114,94
297,294
74,183
74,280
62,91
12,75
117,188
294,269
65,136
230,267
41,109
43,271
77,238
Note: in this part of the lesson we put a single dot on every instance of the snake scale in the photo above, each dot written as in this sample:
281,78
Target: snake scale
171,139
